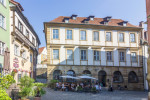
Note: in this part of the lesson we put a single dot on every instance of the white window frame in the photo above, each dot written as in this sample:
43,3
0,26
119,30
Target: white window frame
2,21
69,55
69,34
83,54
108,37
109,55
20,26
133,57
2,48
122,56
23,54
121,37
82,35
16,50
55,33
132,39
55,56
96,36
96,55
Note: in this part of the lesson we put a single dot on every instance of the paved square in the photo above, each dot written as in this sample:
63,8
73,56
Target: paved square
104,95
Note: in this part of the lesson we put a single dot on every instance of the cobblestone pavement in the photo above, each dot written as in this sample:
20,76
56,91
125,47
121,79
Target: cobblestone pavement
104,95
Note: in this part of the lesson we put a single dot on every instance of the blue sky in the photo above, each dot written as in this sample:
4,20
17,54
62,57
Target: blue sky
39,11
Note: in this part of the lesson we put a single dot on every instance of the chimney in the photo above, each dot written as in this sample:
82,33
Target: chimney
74,17
91,17
141,24
66,20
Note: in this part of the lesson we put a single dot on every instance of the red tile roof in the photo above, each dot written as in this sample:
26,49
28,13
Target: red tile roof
18,4
41,49
96,21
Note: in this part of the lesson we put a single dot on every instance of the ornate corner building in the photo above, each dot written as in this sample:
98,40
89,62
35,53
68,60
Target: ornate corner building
110,50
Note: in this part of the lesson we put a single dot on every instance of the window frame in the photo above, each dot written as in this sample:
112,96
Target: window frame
94,35
2,48
84,55
134,37
58,33
111,39
66,34
124,56
58,54
85,35
3,21
17,51
135,57
21,25
67,54
96,55
110,56
123,37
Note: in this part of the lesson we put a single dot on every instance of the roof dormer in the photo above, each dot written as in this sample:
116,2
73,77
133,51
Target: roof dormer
91,17
124,23
108,18
66,20
74,17
106,22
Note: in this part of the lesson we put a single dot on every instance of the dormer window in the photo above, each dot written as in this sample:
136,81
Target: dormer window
91,18
108,18
66,20
125,23
74,17
105,22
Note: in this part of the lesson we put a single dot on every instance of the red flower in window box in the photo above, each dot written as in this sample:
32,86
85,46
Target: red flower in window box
15,70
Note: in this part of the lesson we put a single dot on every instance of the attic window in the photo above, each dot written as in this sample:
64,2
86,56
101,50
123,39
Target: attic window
74,17
91,18
125,23
105,22
108,18
66,20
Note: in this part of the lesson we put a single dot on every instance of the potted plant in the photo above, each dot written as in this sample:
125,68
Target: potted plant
38,90
93,90
26,85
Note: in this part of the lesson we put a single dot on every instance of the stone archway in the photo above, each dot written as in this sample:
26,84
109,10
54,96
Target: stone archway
57,74
102,77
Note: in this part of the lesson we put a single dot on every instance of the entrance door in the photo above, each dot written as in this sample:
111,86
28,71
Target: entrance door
102,77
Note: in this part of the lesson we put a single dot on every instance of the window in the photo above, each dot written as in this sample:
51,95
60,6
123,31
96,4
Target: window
69,54
2,48
132,77
16,50
27,33
121,37
96,36
118,78
108,36
55,54
33,40
145,35
96,55
133,57
19,77
69,34
82,35
31,58
132,37
109,55
70,73
122,56
23,54
57,74
2,21
2,1
55,34
20,26
83,54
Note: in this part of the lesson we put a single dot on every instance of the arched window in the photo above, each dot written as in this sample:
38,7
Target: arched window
70,73
87,72
117,77
132,77
57,74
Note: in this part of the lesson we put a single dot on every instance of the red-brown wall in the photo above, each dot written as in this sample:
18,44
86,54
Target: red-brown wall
148,19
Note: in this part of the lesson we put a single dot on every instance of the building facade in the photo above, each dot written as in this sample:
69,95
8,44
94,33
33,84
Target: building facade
4,29
42,56
24,43
105,48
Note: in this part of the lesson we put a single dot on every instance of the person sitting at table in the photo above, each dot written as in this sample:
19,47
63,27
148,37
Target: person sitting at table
63,87
97,87
72,87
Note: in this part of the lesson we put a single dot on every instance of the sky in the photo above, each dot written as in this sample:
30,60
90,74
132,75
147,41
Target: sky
39,11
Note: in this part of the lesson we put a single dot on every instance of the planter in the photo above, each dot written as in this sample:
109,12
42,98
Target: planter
37,98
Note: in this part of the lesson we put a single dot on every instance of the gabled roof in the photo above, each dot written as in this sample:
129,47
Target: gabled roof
41,50
96,21
17,4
